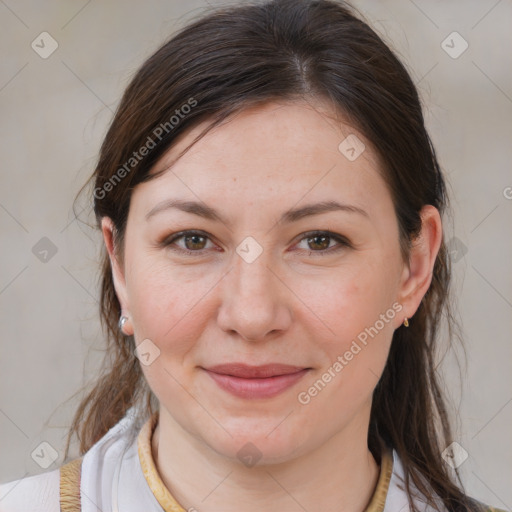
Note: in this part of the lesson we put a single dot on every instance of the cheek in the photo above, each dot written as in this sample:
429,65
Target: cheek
357,311
166,302
347,301
171,310
359,314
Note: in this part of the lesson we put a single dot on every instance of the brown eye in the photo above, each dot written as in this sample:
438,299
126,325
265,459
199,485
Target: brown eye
320,242
324,242
187,242
194,242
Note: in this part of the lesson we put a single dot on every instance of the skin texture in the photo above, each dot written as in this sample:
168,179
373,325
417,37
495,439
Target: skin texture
291,305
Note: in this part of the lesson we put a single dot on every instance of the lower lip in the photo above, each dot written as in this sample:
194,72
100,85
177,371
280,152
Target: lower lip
257,388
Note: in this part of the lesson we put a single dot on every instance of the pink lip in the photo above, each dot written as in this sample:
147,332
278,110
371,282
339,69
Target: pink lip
247,381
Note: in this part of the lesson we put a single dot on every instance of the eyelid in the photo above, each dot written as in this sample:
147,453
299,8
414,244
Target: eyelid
170,239
342,241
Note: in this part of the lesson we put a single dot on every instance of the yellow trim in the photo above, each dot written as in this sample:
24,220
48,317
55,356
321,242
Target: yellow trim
169,504
162,494
380,494
70,475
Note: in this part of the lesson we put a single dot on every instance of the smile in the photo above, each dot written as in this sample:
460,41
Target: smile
245,384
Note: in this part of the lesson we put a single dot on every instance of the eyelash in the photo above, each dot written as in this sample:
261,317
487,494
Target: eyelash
342,241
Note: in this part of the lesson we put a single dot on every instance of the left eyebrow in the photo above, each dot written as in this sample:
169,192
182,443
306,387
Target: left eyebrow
292,215
296,214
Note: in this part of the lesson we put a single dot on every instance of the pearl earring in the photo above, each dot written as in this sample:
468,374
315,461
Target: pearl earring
122,321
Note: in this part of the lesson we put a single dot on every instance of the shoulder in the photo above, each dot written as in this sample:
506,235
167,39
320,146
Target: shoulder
96,472
484,507
38,492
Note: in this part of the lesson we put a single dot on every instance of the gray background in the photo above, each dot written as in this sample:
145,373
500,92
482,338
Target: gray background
54,113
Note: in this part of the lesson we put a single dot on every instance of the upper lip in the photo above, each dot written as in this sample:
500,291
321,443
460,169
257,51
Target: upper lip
254,372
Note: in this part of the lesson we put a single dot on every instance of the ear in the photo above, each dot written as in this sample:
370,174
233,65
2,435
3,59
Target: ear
417,273
108,229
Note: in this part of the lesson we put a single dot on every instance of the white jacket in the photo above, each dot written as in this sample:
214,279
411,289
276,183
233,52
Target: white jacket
112,480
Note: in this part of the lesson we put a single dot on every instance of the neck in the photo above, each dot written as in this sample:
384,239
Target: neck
341,475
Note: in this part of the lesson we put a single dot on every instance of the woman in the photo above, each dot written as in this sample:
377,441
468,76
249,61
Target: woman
273,281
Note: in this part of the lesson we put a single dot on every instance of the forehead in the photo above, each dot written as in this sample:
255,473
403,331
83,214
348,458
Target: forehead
271,154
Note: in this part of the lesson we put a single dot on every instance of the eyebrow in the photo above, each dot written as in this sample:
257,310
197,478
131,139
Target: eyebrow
292,215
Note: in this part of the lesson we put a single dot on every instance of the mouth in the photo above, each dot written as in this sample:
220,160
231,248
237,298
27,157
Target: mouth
253,382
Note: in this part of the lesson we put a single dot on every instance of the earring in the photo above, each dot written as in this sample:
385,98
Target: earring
406,322
122,321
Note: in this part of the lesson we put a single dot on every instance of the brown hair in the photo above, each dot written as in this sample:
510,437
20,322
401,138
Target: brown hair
246,55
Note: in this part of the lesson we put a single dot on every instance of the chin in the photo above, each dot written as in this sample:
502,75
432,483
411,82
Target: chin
257,443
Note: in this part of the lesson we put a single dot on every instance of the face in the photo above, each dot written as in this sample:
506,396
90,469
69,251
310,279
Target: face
255,283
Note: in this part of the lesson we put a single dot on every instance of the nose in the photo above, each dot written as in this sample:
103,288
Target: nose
255,302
